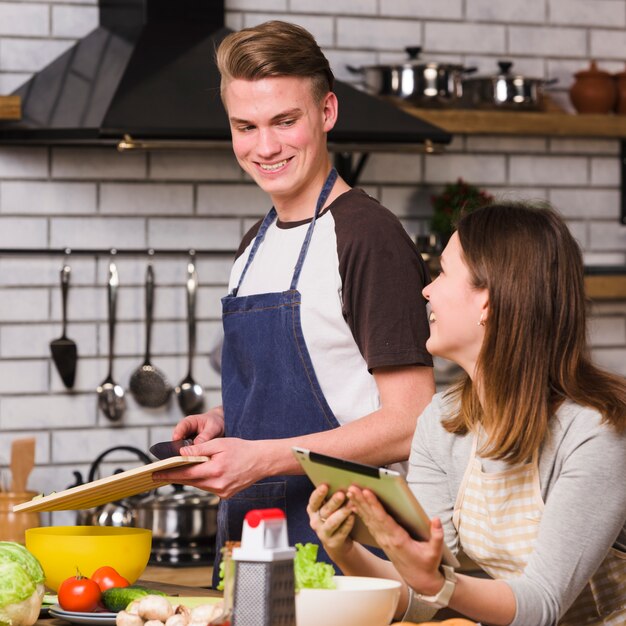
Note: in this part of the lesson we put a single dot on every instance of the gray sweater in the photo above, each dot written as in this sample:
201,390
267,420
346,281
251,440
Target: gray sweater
582,467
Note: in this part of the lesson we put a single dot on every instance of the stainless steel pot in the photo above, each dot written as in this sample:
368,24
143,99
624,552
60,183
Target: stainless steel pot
504,90
181,515
427,84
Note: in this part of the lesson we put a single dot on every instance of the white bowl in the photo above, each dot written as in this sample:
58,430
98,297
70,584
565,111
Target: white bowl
357,601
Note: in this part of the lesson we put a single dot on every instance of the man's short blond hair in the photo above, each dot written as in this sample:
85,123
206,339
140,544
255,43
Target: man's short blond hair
272,49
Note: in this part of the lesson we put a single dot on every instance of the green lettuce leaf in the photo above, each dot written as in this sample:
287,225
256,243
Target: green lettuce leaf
10,551
309,573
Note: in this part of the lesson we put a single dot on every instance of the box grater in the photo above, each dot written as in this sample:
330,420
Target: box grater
264,593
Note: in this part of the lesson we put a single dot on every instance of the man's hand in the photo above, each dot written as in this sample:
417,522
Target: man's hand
202,427
233,465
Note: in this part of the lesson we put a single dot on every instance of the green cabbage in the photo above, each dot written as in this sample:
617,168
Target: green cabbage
21,585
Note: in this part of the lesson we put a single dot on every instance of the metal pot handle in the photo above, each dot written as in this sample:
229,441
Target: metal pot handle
94,467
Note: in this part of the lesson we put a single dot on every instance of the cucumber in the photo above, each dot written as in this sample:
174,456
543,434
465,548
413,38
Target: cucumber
118,598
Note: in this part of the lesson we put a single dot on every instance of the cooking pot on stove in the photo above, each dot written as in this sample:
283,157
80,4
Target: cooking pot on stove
504,90
182,514
423,83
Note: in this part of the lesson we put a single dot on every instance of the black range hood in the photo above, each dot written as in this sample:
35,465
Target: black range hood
145,77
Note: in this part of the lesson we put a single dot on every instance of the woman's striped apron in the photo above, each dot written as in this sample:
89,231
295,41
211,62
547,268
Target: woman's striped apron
497,517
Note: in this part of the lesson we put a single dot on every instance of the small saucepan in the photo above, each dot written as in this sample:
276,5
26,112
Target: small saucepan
504,90
422,83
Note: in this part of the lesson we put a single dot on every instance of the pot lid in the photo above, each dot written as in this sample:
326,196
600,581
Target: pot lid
414,61
506,73
179,497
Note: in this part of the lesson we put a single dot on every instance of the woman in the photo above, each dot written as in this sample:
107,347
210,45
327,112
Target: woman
522,463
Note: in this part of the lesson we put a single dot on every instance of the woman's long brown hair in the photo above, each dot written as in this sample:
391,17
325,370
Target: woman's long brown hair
535,353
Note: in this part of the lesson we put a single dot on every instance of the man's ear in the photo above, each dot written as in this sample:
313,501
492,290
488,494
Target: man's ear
330,111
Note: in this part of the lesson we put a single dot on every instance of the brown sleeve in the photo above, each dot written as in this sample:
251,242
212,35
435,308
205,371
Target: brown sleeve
382,277
247,238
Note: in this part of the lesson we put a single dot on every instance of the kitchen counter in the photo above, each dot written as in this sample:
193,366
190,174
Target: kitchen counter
197,577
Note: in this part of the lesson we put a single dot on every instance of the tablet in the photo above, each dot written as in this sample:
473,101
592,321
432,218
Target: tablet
389,486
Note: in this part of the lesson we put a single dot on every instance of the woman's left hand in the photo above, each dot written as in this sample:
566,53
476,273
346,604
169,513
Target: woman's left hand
416,561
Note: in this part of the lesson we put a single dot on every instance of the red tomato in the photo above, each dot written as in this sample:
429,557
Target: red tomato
79,593
106,577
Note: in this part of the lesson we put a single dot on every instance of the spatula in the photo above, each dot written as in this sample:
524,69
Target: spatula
64,351
22,462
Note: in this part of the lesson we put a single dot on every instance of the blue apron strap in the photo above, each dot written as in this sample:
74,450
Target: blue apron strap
269,218
326,189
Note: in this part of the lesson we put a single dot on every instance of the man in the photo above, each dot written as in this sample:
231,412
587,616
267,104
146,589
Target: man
324,324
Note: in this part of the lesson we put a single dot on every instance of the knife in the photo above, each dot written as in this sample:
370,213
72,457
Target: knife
167,449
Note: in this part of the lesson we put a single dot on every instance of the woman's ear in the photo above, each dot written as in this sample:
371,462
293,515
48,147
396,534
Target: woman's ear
330,111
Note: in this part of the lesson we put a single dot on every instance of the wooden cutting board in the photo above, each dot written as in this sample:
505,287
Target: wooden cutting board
109,489
10,108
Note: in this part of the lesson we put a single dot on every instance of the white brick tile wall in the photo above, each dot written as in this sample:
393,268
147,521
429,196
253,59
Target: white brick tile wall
392,168
73,21
97,164
608,44
422,9
26,19
23,232
97,232
47,197
22,162
146,199
548,171
543,41
513,11
345,7
390,34
42,445
97,197
605,171
222,200
480,170
584,13
464,37
192,165
607,236
23,305
582,203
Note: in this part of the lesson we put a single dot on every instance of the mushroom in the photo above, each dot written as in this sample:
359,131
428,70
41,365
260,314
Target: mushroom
155,608
124,618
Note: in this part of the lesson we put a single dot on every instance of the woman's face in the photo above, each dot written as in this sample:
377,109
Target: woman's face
456,310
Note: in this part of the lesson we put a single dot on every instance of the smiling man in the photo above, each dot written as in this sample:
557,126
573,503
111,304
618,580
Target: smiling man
324,324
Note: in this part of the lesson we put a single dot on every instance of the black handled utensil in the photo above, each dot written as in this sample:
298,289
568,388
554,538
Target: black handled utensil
167,449
64,350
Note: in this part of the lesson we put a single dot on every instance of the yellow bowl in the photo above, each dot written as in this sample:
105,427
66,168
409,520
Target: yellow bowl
63,549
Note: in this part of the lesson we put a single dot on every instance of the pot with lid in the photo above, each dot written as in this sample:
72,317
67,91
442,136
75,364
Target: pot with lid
422,83
183,524
505,90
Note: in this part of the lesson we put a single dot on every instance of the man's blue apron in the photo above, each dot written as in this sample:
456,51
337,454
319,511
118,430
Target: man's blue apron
270,390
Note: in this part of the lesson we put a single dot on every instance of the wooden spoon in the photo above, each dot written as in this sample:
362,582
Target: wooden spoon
22,463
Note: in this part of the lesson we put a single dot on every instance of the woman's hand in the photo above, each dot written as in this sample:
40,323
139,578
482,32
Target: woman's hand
416,561
332,520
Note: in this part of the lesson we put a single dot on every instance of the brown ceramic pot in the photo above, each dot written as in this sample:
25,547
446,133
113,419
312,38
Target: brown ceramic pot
594,91
620,79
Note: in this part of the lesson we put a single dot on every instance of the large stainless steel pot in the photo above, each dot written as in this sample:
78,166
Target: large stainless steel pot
504,90
178,515
423,83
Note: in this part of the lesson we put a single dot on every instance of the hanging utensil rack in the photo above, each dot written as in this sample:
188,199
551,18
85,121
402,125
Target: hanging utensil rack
98,252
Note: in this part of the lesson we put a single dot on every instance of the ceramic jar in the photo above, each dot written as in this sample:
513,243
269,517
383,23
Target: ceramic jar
620,80
13,525
594,91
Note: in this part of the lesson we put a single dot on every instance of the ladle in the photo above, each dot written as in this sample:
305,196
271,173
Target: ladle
189,393
149,384
111,395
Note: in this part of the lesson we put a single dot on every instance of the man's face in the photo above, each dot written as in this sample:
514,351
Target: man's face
279,132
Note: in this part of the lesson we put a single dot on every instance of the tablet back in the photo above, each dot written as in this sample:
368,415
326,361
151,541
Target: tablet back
389,486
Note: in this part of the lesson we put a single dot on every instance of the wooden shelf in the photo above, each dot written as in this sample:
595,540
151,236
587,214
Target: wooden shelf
10,108
552,124
606,287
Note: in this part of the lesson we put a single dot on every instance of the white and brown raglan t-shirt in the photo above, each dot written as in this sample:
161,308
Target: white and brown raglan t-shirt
361,285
